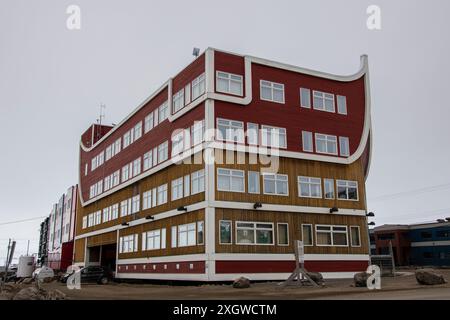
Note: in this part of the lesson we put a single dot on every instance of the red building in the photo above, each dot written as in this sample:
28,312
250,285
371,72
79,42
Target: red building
396,235
291,153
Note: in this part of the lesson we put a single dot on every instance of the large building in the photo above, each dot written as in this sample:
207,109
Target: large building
61,231
291,151
43,242
423,244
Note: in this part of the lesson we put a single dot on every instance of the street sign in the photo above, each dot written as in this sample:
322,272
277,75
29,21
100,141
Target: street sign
301,251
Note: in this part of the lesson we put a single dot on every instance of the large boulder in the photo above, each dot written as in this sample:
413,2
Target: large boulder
30,293
316,277
241,283
55,295
429,277
360,279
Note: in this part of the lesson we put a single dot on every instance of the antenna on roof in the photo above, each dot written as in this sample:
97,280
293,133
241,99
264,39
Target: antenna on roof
196,52
102,113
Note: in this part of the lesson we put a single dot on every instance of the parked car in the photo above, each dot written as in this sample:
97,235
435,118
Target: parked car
100,275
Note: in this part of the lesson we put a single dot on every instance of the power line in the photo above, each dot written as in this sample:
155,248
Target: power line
20,221
411,192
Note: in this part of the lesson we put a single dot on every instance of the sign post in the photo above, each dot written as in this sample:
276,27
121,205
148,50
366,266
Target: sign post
300,273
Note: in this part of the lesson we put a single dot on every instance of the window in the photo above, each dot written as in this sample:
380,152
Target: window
107,183
154,197
254,233
198,132
178,101
148,160
229,130
307,141
323,101
84,222
177,144
151,240
283,234
108,152
344,147
135,204
426,235
271,91
136,167
253,182
305,98
187,94
117,146
148,122
355,238
309,187
307,234
106,214
326,144
200,233
273,137
163,152
126,173
124,208
114,211
128,243
155,156
252,134
198,181
163,112
341,104
177,189
230,180
137,131
331,235
98,217
275,184
115,178
162,194
127,138
147,200
329,188
186,235
347,190
174,236
198,86
229,83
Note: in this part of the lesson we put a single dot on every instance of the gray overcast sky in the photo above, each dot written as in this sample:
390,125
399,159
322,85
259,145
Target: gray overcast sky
52,81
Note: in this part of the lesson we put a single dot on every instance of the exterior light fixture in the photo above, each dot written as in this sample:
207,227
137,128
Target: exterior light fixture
125,224
370,214
149,217
334,209
371,223
182,208
257,205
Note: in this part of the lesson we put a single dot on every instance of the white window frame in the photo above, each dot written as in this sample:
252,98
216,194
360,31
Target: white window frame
232,173
191,229
252,133
187,94
177,189
323,96
196,178
154,235
278,234
163,112
329,182
234,130
341,102
147,200
135,204
148,122
275,179
178,101
273,133
198,86
258,181
163,151
272,87
231,232
346,184
137,131
228,79
351,237
308,92
178,144
309,183
332,238
312,234
148,160
327,138
307,138
254,233
162,194
344,144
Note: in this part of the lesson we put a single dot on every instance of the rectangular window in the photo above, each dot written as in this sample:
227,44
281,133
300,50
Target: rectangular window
198,181
163,150
326,144
341,104
98,217
137,130
344,146
84,222
178,144
198,86
272,91
124,208
136,167
178,101
127,138
198,132
307,141
154,197
331,235
283,234
177,189
225,232
355,238
252,134
107,183
125,173
305,98
155,117
108,152
163,111
229,83
135,204
254,233
230,180
186,235
117,146
115,178
329,188
162,194
128,243
253,182
187,185
347,190
276,184
273,137
115,211
309,187
229,130
155,156
147,200
153,240
148,160
174,236
200,233
307,234
148,122
323,101
187,94
106,214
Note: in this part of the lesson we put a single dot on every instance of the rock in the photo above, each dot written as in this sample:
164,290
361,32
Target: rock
30,293
55,295
48,280
241,283
429,277
360,279
316,277
27,281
